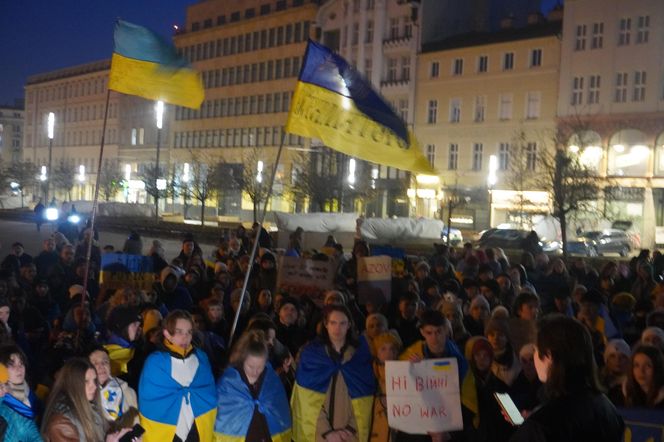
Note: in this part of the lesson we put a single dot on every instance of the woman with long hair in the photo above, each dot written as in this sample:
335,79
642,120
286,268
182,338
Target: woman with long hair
251,401
644,386
575,408
73,411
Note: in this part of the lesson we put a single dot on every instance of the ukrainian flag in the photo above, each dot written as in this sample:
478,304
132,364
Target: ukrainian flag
334,103
146,65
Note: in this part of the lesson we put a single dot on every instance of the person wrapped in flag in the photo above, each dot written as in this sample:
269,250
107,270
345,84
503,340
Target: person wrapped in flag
251,400
176,394
334,385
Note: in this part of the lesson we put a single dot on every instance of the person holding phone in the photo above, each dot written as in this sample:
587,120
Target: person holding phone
575,408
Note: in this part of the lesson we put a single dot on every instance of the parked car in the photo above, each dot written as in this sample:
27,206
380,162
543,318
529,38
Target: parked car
514,239
456,238
599,242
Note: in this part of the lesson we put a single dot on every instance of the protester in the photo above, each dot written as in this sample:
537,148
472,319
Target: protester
644,386
565,364
117,399
14,426
251,401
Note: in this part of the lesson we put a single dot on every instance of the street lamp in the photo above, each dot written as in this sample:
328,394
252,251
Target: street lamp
81,178
492,179
185,181
259,171
159,110
51,131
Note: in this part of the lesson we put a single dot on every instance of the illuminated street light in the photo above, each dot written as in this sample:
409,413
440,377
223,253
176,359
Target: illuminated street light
259,169
42,175
159,110
492,179
351,172
51,134
127,172
81,173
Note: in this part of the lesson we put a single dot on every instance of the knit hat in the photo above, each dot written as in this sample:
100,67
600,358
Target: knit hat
121,316
497,324
388,338
624,302
151,319
475,344
290,300
76,289
479,301
652,332
617,346
4,374
220,267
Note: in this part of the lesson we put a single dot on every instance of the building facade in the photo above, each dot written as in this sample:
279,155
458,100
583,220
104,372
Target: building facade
249,54
77,97
486,108
612,88
11,134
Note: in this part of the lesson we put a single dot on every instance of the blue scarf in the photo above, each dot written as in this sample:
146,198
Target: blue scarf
20,407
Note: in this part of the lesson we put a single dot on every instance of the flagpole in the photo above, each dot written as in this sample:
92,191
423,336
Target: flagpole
95,200
252,256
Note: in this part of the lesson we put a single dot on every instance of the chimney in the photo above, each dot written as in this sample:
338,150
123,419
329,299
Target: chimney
556,14
507,22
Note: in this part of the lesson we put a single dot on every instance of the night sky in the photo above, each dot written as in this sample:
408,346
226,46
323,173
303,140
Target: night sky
43,35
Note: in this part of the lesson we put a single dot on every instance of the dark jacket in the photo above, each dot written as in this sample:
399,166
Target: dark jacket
584,417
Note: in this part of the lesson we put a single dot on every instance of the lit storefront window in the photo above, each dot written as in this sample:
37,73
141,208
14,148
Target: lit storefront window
628,154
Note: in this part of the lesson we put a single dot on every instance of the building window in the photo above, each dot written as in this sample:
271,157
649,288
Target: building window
435,69
391,69
533,100
403,109
368,36
457,66
482,63
621,87
394,28
505,108
477,156
598,36
535,58
624,33
407,27
593,89
580,42
134,134
431,153
577,91
453,157
455,110
480,107
531,156
356,34
405,68
368,63
508,61
503,156
639,86
642,29
432,112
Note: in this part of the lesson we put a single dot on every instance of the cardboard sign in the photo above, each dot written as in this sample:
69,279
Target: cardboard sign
424,396
374,279
120,270
398,256
299,276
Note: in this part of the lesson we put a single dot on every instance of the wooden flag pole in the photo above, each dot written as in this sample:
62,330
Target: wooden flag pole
95,200
252,256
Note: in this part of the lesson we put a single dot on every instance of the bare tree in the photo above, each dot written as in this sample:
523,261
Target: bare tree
205,179
255,181
573,185
150,175
309,183
23,173
63,177
522,172
110,181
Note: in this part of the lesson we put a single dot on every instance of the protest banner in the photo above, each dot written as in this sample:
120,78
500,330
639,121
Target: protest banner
119,270
642,425
374,279
398,256
423,397
300,276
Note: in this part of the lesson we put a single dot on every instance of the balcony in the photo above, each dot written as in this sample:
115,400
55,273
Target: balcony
399,41
392,83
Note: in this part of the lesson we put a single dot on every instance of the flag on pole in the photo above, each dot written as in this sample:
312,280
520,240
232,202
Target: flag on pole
146,65
334,103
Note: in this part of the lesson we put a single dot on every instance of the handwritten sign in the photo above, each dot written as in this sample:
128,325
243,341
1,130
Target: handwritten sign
423,397
299,276
120,270
374,279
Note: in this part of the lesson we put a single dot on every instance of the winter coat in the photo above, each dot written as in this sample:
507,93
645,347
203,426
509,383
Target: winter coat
19,428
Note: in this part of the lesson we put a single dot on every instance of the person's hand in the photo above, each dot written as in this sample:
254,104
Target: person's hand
414,357
115,437
438,437
338,436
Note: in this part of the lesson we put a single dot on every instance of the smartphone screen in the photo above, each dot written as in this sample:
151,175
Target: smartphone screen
508,406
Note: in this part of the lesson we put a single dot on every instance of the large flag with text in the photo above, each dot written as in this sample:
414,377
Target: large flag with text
334,103
146,65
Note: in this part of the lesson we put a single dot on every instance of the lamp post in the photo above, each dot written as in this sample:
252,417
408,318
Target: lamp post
81,180
185,181
51,131
160,119
491,181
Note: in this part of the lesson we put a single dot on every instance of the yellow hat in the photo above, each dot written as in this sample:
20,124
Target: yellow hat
4,374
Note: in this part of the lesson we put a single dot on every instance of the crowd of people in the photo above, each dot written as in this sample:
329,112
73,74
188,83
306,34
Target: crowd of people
569,343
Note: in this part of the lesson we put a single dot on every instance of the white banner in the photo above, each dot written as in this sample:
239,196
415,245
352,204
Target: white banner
423,397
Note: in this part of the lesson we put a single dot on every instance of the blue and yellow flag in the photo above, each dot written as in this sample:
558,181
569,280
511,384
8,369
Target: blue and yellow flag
334,103
146,65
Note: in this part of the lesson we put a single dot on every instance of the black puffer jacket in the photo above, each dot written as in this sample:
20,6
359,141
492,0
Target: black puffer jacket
580,417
